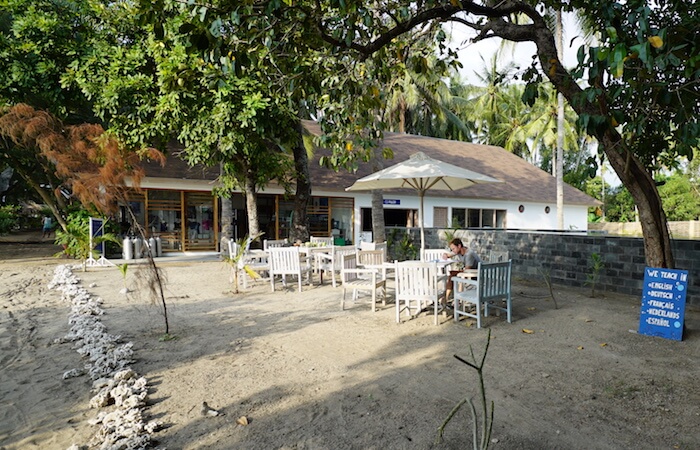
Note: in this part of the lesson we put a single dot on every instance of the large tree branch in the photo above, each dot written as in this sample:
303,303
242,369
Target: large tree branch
441,13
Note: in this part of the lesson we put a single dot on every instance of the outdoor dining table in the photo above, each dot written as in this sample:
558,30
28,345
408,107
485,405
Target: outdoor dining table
443,265
383,268
314,253
387,268
467,273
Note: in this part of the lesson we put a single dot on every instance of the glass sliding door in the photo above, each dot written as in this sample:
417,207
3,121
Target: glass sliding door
319,217
341,220
164,218
199,221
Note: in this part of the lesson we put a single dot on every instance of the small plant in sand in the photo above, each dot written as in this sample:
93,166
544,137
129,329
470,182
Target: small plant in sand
237,260
76,240
548,281
123,269
481,435
596,265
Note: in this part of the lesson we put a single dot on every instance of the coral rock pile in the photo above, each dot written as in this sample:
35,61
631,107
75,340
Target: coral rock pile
116,388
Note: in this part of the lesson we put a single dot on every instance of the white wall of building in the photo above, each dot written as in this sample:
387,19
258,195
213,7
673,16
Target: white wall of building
533,216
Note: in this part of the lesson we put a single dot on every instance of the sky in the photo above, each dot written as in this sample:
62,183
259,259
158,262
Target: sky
471,54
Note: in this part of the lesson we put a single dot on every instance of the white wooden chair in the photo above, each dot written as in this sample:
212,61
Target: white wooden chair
288,261
327,241
355,279
383,246
417,286
373,259
254,261
367,245
433,254
370,257
364,246
271,243
493,284
331,261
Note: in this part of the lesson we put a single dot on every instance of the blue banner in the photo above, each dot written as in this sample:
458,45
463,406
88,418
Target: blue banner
663,303
97,230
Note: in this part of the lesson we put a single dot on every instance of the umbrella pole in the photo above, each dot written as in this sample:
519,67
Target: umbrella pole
422,231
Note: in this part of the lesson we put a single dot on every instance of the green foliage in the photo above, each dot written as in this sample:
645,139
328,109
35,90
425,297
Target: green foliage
647,57
123,268
401,244
680,198
9,216
168,337
596,265
237,259
619,206
39,39
76,238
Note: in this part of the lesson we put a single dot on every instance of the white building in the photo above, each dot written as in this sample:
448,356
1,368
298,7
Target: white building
525,199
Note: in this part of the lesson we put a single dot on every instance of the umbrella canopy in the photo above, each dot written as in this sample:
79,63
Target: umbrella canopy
421,173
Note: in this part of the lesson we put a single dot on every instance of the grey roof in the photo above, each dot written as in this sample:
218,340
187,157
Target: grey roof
521,181
176,167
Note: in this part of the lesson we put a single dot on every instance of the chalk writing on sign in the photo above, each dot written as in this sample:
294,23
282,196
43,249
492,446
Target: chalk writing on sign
663,303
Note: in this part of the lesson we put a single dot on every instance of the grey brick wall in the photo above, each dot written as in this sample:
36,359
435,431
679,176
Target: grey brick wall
567,257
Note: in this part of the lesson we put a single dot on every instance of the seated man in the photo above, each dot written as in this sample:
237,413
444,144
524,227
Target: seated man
465,258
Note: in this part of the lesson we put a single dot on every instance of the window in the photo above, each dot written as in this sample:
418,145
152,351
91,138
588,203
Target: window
440,217
459,218
392,218
478,218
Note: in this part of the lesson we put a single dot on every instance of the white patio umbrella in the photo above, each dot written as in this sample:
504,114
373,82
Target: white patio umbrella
421,173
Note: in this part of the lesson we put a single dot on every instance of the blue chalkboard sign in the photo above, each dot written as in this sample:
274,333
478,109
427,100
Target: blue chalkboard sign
663,303
97,230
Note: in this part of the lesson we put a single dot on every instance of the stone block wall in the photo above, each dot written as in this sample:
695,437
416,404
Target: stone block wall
567,257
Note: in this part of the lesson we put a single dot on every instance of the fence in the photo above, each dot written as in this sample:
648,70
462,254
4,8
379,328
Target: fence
566,258
678,230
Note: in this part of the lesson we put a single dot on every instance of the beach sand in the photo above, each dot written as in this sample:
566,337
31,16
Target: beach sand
306,375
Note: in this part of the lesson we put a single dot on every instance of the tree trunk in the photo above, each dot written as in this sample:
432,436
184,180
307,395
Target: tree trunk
50,200
632,173
226,221
226,212
226,217
251,204
300,219
378,225
642,187
559,161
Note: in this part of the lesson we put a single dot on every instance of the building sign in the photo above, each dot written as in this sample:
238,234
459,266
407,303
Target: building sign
663,303
392,201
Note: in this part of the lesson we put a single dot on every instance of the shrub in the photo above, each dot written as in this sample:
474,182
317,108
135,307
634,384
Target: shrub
9,215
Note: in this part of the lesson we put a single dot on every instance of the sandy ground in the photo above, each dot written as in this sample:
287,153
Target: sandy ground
307,375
